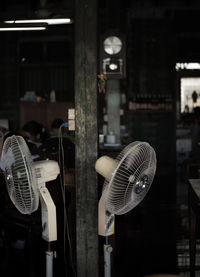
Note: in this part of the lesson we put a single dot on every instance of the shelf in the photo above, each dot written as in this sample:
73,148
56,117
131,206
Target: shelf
150,111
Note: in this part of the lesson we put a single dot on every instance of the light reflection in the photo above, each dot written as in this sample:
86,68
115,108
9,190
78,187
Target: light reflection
188,66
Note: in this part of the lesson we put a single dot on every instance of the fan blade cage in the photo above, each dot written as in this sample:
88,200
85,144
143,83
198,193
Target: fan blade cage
131,179
21,182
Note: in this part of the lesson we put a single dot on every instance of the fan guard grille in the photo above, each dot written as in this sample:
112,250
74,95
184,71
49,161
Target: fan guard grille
21,182
131,179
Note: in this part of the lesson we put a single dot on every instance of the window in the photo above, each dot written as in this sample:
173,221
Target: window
190,94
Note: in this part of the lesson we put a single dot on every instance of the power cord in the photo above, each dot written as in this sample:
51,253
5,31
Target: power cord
62,182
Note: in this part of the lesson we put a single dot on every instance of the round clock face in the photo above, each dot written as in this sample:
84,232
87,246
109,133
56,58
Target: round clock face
112,45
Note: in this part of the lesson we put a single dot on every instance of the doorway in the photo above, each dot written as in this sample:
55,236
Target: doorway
187,150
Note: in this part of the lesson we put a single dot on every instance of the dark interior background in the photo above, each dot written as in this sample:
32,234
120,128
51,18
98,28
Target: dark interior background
158,35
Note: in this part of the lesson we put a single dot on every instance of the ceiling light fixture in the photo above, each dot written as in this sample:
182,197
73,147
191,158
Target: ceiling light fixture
49,21
22,27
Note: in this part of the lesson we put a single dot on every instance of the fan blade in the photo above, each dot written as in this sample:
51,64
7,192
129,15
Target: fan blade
20,180
127,178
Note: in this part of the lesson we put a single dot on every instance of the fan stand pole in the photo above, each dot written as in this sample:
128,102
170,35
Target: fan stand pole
49,232
107,259
49,261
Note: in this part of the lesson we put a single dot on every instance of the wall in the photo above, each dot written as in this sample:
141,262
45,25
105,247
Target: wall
9,91
151,80
35,61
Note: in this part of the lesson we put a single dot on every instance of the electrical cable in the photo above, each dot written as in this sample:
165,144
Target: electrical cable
62,182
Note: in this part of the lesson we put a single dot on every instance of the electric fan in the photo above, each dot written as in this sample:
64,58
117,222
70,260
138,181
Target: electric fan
127,180
25,181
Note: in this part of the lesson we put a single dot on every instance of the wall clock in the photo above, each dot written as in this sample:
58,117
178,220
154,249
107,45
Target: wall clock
112,45
112,55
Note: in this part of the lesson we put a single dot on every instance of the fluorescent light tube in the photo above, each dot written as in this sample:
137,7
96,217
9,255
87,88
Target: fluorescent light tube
22,28
50,21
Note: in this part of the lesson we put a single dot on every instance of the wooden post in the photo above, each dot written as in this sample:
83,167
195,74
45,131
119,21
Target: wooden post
86,135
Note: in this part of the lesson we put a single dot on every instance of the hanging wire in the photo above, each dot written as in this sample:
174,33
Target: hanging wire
62,182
